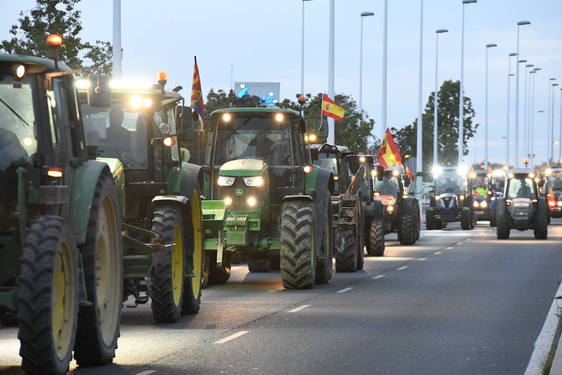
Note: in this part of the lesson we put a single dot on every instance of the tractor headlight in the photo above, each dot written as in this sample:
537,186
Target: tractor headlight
390,209
254,181
225,181
227,201
461,197
559,203
475,204
483,204
437,197
252,201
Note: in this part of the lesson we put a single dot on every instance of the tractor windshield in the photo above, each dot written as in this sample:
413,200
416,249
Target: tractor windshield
254,138
555,181
388,186
450,182
521,187
119,133
328,161
17,136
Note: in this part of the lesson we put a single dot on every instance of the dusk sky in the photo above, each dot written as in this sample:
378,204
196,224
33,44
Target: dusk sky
262,40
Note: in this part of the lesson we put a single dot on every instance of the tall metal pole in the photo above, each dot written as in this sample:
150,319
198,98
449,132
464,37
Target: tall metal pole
529,113
384,123
436,100
525,109
117,53
363,15
532,128
517,161
302,49
549,113
508,140
331,70
419,143
560,136
486,110
551,159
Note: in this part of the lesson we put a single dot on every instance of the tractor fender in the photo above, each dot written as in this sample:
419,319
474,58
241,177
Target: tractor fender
184,180
373,210
191,206
84,185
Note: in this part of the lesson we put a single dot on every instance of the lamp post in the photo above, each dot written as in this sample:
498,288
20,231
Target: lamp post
419,140
532,127
461,94
302,49
551,156
560,137
363,15
520,23
384,104
117,52
488,46
508,125
436,100
331,69
526,110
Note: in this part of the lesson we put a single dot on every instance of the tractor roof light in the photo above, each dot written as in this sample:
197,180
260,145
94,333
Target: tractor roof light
169,141
20,71
82,84
54,172
226,117
362,159
396,173
462,170
162,77
307,169
54,40
436,170
279,117
531,175
548,172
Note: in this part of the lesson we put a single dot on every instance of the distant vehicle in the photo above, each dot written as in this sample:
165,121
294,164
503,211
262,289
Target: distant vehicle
553,190
497,185
481,193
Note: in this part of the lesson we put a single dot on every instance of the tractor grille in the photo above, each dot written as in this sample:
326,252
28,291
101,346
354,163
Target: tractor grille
520,211
448,202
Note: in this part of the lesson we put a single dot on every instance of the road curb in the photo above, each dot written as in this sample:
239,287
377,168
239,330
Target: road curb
545,340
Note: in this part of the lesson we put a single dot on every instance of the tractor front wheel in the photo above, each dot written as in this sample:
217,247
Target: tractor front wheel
298,256
541,224
193,285
466,219
48,297
376,238
346,250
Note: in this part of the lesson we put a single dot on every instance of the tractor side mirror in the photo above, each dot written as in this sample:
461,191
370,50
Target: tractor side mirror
185,155
99,92
185,122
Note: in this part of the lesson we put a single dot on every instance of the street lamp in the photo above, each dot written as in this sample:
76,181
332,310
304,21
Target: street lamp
117,55
384,104
520,23
551,156
526,110
302,49
331,69
363,15
509,75
461,94
488,46
560,139
419,141
532,127
436,99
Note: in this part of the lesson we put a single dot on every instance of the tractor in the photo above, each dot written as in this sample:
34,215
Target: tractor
60,226
450,200
266,199
140,132
481,193
553,190
401,211
522,208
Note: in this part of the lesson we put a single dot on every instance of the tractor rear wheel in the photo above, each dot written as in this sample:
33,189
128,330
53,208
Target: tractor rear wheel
48,297
346,250
194,241
168,266
407,225
258,263
466,219
298,254
376,238
324,264
102,256
502,221
418,220
541,224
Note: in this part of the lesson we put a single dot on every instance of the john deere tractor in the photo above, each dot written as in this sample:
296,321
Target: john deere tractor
451,200
60,228
158,192
522,208
267,200
401,210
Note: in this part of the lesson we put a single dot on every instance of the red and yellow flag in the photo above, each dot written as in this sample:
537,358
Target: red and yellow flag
331,109
389,155
197,103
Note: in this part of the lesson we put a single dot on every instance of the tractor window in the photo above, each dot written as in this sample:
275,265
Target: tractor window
521,188
556,181
328,161
450,182
119,133
388,186
17,135
253,138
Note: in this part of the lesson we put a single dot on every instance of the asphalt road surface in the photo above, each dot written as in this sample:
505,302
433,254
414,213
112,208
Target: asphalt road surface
458,302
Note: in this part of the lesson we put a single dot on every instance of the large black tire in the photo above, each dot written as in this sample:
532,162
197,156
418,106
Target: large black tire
257,263
493,222
102,257
191,303
418,220
346,249
541,223
502,221
298,258
429,220
274,262
48,303
376,238
466,219
407,224
168,267
218,275
324,263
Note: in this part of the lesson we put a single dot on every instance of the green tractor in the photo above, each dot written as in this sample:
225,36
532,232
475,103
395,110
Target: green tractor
141,131
60,229
266,199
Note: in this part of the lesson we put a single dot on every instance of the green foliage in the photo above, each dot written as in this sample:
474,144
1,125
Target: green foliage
222,99
354,131
57,17
448,118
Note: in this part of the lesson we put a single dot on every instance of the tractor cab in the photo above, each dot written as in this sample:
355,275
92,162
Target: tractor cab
331,157
479,183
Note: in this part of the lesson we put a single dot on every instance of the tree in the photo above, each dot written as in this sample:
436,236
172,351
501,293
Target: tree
222,99
448,118
354,131
57,17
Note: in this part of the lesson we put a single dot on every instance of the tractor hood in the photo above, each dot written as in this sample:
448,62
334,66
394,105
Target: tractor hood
521,202
243,168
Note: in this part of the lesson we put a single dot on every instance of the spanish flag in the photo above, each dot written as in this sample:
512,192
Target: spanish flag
331,109
197,102
389,155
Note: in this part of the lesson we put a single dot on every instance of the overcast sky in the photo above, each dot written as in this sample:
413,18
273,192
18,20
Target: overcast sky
262,39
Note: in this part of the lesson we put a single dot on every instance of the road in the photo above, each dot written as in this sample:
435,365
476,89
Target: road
459,302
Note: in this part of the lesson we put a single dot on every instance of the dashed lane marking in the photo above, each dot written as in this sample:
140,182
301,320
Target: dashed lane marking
377,277
300,308
437,252
450,248
402,268
459,243
231,337
422,259
344,290
146,372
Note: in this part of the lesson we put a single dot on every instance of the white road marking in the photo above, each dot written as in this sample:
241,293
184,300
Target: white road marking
469,239
437,252
422,259
231,337
377,277
146,372
300,308
402,268
459,243
345,290
450,248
